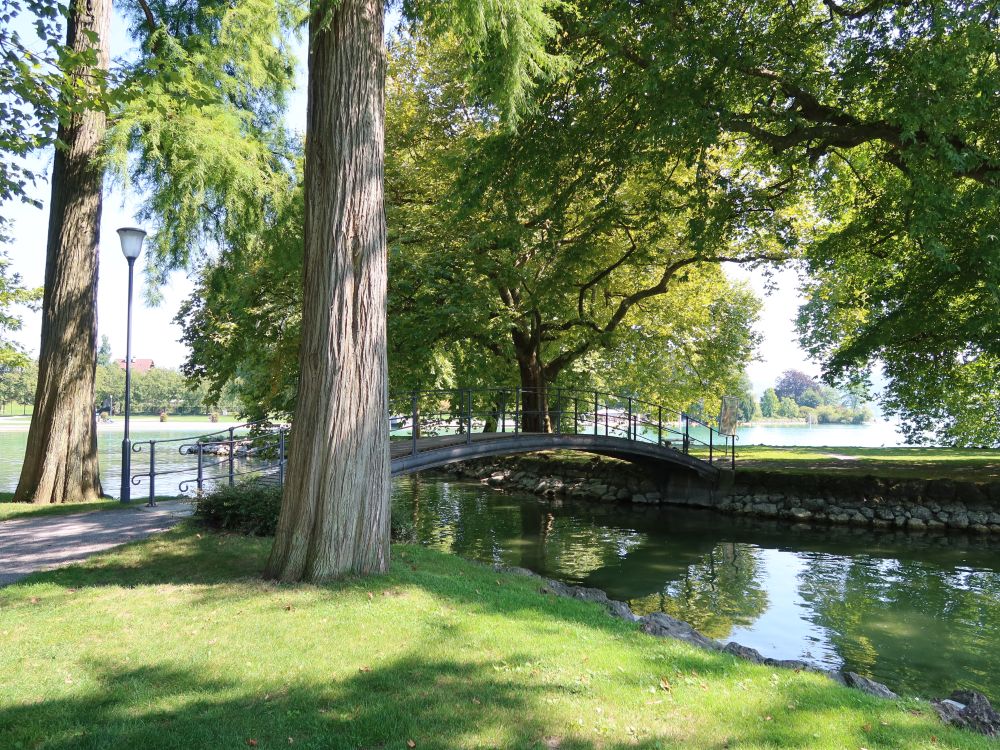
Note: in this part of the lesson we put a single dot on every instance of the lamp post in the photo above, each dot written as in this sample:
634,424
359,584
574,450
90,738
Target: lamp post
131,239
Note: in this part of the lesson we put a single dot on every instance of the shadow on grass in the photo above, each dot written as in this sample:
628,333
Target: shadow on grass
433,703
437,702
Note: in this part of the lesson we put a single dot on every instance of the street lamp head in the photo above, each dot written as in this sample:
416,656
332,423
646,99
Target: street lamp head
131,238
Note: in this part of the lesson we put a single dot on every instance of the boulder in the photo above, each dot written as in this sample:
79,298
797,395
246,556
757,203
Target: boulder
744,652
969,710
665,626
621,610
854,680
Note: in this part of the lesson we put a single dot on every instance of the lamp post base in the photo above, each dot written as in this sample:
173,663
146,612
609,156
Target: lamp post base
126,490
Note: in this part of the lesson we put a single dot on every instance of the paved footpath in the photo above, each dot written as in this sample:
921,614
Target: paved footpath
31,544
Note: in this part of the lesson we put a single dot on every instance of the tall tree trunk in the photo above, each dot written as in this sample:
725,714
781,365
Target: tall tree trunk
534,396
335,509
60,464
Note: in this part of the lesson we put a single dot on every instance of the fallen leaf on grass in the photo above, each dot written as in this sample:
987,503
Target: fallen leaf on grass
476,701
252,742
288,607
411,743
665,685
365,668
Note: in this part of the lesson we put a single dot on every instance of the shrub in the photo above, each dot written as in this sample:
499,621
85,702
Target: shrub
252,508
247,508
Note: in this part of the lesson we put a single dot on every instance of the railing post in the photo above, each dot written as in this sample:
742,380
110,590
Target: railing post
152,474
711,432
517,409
468,425
201,467
576,413
281,456
231,467
733,465
628,427
659,425
687,433
413,423
559,411
503,410
595,412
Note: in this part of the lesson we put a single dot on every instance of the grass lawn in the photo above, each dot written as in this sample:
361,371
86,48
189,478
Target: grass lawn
174,643
967,464
10,509
16,410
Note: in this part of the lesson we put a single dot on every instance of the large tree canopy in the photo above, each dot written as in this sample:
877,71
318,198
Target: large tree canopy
612,287
882,115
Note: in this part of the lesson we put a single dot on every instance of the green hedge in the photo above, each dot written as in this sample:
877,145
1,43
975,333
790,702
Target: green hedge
252,508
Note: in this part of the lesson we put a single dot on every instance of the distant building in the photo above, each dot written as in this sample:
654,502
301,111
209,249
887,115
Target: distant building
138,365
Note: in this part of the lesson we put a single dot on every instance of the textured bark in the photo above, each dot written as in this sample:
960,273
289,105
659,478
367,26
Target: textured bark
534,394
335,510
60,463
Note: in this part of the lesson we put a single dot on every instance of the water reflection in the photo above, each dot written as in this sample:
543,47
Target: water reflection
919,613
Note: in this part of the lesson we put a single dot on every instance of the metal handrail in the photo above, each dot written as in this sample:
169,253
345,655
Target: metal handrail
267,434
614,415
464,411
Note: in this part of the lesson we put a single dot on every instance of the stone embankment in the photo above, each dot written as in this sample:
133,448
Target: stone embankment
911,505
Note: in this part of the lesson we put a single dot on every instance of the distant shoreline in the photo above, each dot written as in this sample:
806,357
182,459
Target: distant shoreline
145,422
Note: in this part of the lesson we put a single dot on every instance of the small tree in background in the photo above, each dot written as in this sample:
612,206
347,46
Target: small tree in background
793,384
769,403
788,408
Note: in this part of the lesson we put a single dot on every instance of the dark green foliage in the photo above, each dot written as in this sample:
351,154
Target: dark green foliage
252,508
246,508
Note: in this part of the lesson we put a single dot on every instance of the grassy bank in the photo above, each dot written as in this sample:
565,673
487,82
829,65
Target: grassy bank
174,643
966,464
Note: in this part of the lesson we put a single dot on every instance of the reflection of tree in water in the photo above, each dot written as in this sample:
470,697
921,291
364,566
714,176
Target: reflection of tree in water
715,594
481,524
914,625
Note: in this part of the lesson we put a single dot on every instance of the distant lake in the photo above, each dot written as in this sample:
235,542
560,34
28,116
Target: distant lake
880,434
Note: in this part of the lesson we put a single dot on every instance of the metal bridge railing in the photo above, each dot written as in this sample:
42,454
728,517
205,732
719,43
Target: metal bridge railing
260,449
465,411
252,449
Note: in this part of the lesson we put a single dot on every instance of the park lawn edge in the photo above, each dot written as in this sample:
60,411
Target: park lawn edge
175,642
978,465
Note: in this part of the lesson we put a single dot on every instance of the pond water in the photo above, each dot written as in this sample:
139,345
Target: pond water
920,613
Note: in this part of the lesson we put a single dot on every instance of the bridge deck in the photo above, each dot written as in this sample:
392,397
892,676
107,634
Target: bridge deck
439,450
404,446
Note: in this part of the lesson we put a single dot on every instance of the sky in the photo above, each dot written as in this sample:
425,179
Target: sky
155,335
